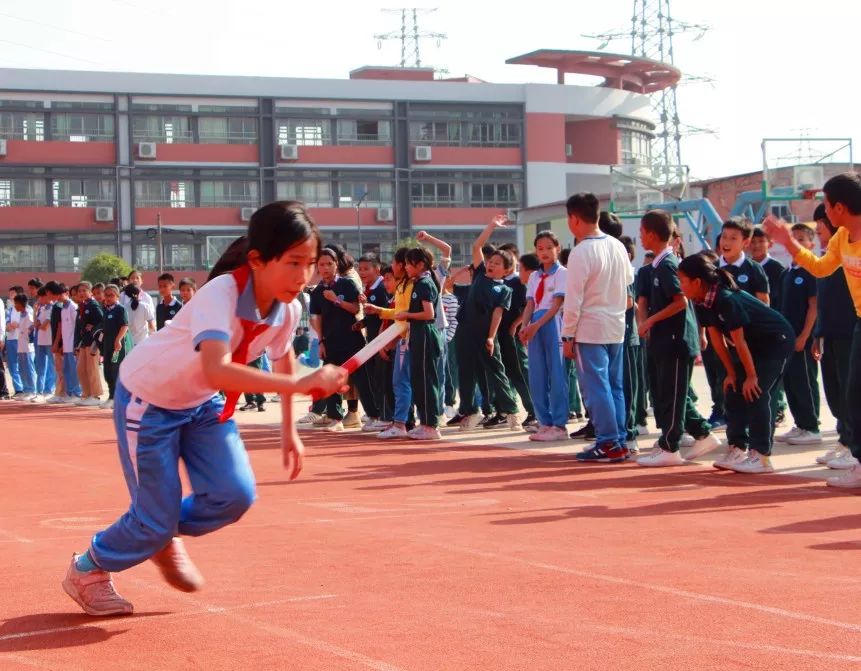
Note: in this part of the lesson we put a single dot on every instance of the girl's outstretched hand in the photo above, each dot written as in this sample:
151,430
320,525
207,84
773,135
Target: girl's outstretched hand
293,452
325,381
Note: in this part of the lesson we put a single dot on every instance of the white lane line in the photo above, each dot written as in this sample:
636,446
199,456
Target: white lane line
14,538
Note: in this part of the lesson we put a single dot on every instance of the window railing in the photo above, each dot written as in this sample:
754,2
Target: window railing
230,137
174,137
83,136
363,139
230,201
158,201
22,201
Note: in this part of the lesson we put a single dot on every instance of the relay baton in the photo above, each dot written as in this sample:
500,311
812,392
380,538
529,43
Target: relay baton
361,357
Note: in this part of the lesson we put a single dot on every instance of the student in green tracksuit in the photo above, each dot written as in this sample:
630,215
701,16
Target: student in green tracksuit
425,343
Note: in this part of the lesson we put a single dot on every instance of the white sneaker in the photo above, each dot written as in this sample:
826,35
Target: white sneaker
514,422
658,457
642,430
39,398
27,397
392,433
56,400
71,400
79,400
831,455
471,422
352,421
784,437
92,402
374,426
733,455
851,479
425,433
844,463
450,411
107,405
534,428
549,434
805,438
333,426
309,418
650,412
755,463
702,447
94,592
687,440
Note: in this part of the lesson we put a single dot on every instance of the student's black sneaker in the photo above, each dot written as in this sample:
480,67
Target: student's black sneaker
780,418
248,406
578,415
260,408
529,421
456,420
496,421
5,397
487,417
586,432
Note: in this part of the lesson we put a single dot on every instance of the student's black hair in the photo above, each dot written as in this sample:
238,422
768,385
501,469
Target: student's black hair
487,250
400,256
630,247
711,255
373,259
804,228
584,206
563,256
386,269
701,267
421,254
116,280
98,285
819,215
36,283
134,271
844,189
134,293
41,291
112,287
511,248
87,285
345,261
530,262
610,224
17,288
741,224
649,254
273,229
507,258
166,277
188,282
20,299
53,287
759,232
549,235
660,223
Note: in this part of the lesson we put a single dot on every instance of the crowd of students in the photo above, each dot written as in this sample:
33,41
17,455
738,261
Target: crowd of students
516,341
59,342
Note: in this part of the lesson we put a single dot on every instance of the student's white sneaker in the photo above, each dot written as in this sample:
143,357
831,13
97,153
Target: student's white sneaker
39,398
843,463
784,437
333,426
513,421
309,418
79,400
550,434
424,433
352,421
732,456
851,479
92,402
832,454
702,447
755,463
27,397
687,440
534,428
658,457
392,433
71,400
642,430
107,405
450,411
805,438
471,422
375,425
57,400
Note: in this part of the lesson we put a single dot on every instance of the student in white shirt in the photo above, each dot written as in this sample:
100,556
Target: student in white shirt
593,325
135,278
141,314
46,377
167,408
65,344
11,347
4,390
26,350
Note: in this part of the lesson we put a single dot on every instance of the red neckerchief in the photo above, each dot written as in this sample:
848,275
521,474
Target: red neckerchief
250,330
539,290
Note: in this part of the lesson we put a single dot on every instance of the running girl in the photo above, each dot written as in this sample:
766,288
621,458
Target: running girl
167,407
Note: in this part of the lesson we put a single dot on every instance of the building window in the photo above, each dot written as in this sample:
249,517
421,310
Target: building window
494,195
313,194
435,132
305,132
22,192
636,147
162,129
437,194
379,194
352,131
22,126
492,134
82,127
64,255
179,257
146,257
227,130
171,193
82,192
216,245
23,257
229,194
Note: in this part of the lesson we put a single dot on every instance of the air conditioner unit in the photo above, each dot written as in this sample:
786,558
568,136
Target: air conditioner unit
246,212
104,214
569,150
423,153
289,152
385,214
146,150
2,147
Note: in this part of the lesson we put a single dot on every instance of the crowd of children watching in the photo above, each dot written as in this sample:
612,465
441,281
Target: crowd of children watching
524,342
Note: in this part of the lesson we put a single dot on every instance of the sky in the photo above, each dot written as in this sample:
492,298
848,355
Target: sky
787,70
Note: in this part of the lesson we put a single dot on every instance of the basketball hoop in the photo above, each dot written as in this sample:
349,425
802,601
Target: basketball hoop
812,194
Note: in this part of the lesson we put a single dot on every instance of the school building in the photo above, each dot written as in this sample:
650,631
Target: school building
94,161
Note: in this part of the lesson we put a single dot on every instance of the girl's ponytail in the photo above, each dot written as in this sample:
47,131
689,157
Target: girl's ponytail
232,258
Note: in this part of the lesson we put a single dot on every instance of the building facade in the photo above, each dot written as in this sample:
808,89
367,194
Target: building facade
95,161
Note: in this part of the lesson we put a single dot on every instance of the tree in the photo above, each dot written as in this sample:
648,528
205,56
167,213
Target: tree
104,267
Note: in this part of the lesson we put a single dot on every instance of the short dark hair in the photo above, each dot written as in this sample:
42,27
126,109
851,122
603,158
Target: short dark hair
17,288
20,299
36,283
87,285
660,223
584,206
563,256
610,224
759,232
511,248
741,224
487,249
386,270
804,228
820,216
549,235
507,258
41,291
133,271
373,259
166,277
188,282
630,247
98,285
844,189
530,262
53,287
649,255
116,280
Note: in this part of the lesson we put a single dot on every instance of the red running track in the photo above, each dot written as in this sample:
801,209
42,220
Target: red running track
436,556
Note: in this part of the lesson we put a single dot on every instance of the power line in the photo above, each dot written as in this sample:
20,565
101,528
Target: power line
409,35
48,51
52,27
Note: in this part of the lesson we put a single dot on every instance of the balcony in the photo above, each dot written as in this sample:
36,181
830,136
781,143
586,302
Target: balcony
57,152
